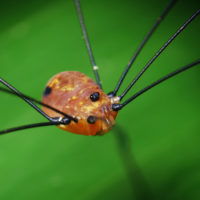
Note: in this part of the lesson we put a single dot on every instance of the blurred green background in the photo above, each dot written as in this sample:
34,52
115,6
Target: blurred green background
154,151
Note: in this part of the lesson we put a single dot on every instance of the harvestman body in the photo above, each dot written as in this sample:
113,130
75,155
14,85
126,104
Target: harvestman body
77,104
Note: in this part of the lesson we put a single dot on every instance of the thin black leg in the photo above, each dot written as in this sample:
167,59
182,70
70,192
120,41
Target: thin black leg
94,66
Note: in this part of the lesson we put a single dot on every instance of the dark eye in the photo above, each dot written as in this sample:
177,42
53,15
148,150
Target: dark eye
91,119
95,96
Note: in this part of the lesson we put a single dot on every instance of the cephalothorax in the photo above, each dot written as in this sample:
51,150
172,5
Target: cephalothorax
77,104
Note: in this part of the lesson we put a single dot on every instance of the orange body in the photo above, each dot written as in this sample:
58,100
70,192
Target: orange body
70,93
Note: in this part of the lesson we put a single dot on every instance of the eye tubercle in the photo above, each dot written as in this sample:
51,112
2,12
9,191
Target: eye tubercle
95,96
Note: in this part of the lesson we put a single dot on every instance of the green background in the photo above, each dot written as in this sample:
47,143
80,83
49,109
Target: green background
154,151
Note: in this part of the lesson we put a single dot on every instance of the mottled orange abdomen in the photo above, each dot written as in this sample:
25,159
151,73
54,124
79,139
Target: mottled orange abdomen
70,92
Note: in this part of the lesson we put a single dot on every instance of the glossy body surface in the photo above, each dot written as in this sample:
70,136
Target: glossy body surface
70,92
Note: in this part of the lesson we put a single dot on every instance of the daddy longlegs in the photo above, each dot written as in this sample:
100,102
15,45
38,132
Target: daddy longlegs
77,104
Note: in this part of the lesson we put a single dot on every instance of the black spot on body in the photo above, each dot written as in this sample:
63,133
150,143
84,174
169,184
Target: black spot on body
91,119
47,91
